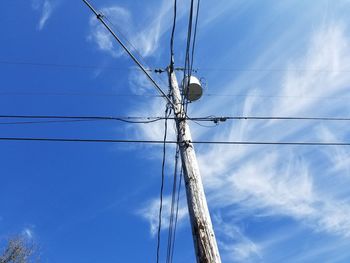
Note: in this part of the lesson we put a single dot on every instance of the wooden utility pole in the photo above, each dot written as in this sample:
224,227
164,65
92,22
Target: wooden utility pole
202,229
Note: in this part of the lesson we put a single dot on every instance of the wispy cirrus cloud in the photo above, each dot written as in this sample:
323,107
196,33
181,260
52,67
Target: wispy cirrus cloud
45,7
150,212
296,183
260,179
235,246
101,37
279,181
144,41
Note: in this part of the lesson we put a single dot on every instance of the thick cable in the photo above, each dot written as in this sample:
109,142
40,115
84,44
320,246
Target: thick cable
42,139
144,119
172,208
100,18
167,113
194,35
176,213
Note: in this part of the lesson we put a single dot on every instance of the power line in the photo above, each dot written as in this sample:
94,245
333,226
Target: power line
173,34
166,115
176,214
144,119
273,70
78,118
174,205
23,93
194,35
20,93
222,119
100,18
171,217
173,142
81,66
43,122
187,66
63,65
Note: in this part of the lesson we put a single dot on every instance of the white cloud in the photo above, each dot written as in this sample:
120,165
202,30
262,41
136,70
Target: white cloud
150,212
27,233
280,181
45,7
338,156
328,52
121,20
235,246
99,34
262,181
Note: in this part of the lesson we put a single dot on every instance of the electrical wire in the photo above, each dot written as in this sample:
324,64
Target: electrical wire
194,35
100,18
189,61
135,49
187,58
176,214
80,66
78,140
20,93
143,119
166,115
63,65
171,218
43,122
172,209
172,38
274,70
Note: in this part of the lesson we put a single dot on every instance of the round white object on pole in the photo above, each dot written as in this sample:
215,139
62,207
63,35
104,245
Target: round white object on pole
192,88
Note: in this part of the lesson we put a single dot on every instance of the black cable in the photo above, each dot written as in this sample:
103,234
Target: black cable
176,214
144,119
225,118
135,120
172,209
142,58
171,68
274,70
58,65
187,60
172,38
43,122
20,93
80,66
194,35
100,18
167,114
115,28
173,142
216,123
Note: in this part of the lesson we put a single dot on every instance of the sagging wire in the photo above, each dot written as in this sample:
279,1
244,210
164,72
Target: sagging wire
171,233
167,114
176,213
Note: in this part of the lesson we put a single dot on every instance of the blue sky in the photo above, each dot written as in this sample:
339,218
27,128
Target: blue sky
99,202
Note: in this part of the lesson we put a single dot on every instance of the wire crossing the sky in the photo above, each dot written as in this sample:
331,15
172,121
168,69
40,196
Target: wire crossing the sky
145,120
79,140
100,18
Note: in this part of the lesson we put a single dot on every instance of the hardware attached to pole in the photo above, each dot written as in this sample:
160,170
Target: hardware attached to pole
202,229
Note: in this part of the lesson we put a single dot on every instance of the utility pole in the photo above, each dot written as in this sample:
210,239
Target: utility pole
204,240
202,229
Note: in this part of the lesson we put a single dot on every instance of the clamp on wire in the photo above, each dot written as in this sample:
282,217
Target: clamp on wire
100,16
